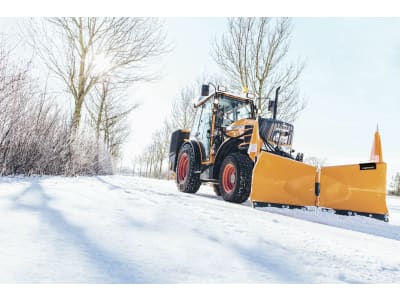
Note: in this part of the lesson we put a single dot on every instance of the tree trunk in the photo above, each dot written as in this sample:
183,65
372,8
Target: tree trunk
76,118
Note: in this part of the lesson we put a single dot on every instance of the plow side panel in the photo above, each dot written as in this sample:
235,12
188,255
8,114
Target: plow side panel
358,188
281,180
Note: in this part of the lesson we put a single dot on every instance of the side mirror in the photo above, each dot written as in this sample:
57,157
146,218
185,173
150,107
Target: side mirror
271,104
205,90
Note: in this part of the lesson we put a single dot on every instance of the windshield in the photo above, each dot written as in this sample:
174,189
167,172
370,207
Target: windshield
230,110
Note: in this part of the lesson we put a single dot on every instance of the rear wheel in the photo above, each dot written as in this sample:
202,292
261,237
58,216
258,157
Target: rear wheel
188,170
235,177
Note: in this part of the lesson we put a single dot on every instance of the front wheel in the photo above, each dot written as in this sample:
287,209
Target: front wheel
187,170
235,177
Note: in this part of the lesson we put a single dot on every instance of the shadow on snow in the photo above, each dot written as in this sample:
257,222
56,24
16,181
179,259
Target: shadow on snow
111,269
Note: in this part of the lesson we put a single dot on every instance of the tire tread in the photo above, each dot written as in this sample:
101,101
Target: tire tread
244,167
192,183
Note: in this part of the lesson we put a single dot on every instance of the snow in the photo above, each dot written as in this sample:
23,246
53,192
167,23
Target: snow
123,229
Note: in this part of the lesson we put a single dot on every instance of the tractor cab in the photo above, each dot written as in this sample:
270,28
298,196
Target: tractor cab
219,116
231,110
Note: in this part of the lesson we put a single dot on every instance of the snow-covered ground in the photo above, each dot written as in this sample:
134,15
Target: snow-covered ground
121,229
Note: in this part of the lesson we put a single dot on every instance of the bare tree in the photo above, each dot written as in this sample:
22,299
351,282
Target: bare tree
153,159
253,54
162,141
394,187
108,111
182,111
115,129
134,164
81,52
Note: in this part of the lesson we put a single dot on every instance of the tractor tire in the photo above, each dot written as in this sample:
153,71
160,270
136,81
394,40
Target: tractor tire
187,170
235,177
216,189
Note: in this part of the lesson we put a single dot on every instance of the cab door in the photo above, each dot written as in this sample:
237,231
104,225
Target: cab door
202,127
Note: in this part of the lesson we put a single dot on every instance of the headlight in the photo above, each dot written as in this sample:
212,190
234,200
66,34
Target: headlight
236,127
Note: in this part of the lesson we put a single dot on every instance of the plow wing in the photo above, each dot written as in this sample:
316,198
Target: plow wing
358,188
281,180
349,189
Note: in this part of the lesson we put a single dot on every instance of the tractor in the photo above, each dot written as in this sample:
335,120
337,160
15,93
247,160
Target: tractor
243,155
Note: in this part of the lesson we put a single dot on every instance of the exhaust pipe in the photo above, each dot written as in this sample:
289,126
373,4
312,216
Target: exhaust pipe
276,102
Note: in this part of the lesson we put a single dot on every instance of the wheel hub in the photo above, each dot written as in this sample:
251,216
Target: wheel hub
183,167
229,178
233,178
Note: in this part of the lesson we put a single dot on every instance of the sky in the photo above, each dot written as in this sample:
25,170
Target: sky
350,84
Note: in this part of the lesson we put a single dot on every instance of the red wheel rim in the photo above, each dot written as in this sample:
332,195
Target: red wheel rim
229,178
183,167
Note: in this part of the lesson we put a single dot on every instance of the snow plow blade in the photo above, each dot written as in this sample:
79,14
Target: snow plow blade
359,188
280,180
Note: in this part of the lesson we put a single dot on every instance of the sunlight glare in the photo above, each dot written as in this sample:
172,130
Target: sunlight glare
101,64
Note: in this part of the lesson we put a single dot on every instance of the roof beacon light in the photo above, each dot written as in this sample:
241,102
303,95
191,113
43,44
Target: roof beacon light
221,88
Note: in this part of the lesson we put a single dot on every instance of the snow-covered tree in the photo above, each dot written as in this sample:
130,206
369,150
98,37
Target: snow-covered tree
34,132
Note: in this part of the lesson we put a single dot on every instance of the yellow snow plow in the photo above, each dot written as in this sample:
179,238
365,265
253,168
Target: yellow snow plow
246,156
347,189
